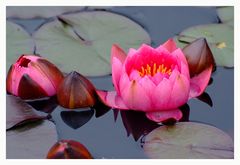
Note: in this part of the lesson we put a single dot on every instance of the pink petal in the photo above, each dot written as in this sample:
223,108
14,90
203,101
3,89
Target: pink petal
199,83
180,92
157,78
116,72
174,75
161,95
118,57
164,115
112,99
162,49
182,61
170,45
42,79
135,97
118,53
148,85
15,74
134,75
148,55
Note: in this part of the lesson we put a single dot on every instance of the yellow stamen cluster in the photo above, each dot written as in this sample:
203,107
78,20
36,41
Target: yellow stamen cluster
152,70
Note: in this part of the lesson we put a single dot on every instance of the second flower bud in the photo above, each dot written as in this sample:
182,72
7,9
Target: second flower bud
76,91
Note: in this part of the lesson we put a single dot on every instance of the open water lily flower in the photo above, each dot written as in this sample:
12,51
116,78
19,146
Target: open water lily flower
156,81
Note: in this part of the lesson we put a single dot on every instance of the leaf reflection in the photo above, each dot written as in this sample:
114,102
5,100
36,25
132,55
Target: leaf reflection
206,99
137,124
75,119
46,105
100,109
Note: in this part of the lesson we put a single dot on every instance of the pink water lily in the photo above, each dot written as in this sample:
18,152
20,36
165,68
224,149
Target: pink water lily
33,77
156,81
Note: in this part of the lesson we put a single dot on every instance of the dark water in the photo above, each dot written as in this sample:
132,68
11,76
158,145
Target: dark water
107,138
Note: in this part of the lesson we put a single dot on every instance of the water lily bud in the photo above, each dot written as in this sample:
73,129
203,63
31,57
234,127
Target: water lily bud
68,149
76,91
33,77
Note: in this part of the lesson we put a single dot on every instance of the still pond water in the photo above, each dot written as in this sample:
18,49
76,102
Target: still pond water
106,136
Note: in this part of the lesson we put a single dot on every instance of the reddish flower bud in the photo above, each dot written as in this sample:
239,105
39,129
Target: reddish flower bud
68,149
33,77
76,91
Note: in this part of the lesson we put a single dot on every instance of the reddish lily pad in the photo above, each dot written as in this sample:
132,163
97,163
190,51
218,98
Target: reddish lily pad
32,141
19,112
188,140
82,41
219,38
18,42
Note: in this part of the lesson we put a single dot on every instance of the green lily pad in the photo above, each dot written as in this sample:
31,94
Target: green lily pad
31,141
188,140
226,14
28,12
179,43
83,41
219,38
18,42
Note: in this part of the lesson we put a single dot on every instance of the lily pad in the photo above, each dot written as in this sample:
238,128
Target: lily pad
188,140
226,14
83,41
18,42
31,141
180,44
19,112
219,38
29,12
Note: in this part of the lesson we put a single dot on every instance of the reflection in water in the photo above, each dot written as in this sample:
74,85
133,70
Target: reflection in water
46,105
76,119
206,99
137,124
100,109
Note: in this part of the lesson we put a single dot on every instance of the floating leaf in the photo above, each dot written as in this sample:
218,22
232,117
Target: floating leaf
188,140
226,14
18,42
68,149
76,119
219,38
19,112
179,43
27,12
31,141
83,41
